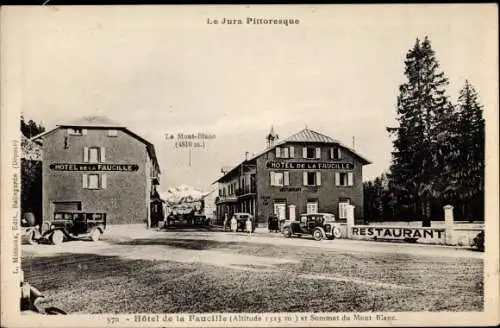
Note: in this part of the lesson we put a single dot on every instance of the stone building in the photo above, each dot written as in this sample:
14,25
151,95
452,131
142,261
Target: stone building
304,173
96,165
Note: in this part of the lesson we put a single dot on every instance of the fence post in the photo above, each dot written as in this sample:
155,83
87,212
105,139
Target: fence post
448,222
350,220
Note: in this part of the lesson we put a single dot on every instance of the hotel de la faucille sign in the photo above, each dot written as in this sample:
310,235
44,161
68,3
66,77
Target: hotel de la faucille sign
94,167
310,165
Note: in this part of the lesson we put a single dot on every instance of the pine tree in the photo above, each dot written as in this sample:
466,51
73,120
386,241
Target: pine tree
423,113
470,160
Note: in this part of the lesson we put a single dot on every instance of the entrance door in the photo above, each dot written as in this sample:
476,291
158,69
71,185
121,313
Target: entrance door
343,208
291,212
312,207
280,210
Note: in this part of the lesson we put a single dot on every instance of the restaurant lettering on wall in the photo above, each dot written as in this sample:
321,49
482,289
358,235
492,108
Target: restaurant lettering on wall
310,165
94,167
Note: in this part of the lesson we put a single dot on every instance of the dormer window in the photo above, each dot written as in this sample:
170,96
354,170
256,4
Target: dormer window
285,152
77,131
335,153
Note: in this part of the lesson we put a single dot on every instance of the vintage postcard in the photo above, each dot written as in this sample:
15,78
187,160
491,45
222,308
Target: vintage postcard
209,166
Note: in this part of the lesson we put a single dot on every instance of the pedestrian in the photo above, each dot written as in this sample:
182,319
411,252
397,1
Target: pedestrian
225,222
249,225
234,224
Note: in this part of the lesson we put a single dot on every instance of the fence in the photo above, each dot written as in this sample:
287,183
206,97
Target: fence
449,233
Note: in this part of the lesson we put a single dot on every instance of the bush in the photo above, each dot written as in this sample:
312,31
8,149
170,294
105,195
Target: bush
479,241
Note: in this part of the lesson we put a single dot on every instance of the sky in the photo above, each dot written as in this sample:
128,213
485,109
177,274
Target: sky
163,70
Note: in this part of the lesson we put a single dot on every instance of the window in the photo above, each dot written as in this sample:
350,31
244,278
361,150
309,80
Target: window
311,152
94,181
335,153
343,205
344,179
77,131
282,152
112,133
280,178
94,154
312,178
312,206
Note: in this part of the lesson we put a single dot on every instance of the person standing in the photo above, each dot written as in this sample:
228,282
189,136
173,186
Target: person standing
249,225
225,222
234,224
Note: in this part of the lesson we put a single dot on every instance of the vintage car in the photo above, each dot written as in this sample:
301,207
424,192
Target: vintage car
318,225
241,219
75,225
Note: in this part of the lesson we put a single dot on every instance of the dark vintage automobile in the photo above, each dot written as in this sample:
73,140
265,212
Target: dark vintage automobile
273,224
318,225
75,225
241,221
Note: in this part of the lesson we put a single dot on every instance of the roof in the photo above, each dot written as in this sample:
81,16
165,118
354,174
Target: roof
307,135
101,121
304,136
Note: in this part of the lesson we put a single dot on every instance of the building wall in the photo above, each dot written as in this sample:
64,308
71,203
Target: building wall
327,195
126,196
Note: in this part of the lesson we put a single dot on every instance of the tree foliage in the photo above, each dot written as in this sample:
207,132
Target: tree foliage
31,128
438,148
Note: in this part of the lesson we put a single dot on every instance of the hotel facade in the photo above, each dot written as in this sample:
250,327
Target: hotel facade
97,165
306,173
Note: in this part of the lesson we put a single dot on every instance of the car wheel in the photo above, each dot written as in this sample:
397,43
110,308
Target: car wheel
337,233
96,235
287,232
57,237
317,234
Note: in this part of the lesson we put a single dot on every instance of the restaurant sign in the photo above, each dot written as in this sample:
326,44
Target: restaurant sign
310,165
398,232
94,167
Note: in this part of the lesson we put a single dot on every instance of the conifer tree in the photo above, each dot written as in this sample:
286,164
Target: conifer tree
423,114
470,160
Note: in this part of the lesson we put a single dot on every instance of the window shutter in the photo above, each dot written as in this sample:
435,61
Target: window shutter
304,175
304,152
292,152
318,178
318,152
103,154
85,181
104,181
286,178
349,179
339,153
272,178
85,154
278,152
332,156
84,132
337,178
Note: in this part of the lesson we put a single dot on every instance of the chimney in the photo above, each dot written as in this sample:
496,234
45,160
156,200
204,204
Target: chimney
246,155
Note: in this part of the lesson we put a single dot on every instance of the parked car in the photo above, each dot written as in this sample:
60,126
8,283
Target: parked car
75,225
241,219
318,225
